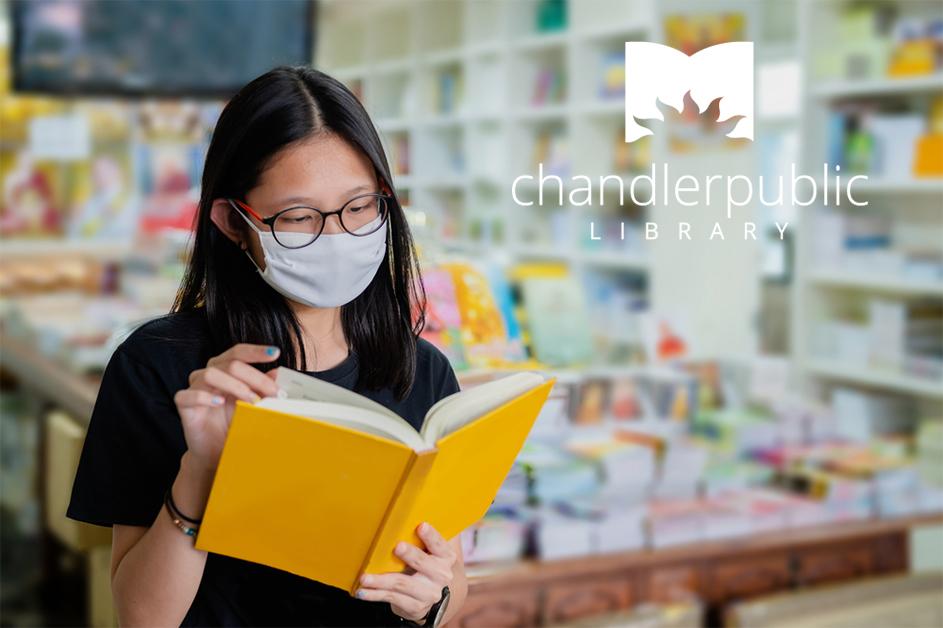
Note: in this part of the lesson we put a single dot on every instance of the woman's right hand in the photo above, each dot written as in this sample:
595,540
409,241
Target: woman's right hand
206,407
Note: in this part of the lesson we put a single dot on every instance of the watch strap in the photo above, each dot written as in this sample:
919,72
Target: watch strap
433,612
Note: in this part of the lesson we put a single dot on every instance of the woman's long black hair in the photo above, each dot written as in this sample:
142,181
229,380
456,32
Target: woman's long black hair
286,105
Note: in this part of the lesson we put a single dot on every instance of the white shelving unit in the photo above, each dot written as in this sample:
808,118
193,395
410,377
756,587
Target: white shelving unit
464,155
464,158
877,87
914,208
464,151
886,284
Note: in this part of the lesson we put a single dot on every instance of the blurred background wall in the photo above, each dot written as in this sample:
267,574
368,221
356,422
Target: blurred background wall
786,393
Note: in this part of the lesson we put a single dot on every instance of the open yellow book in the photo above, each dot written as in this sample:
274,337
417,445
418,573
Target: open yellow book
324,482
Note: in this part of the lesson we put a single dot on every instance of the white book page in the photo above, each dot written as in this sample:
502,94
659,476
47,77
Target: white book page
300,386
343,415
459,409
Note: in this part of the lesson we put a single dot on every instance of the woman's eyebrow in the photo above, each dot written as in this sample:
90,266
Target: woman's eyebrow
309,201
360,188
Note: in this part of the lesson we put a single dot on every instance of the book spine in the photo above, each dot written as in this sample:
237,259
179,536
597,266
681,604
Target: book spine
380,557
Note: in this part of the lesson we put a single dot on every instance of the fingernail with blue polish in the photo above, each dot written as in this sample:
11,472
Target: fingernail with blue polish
271,351
361,593
218,401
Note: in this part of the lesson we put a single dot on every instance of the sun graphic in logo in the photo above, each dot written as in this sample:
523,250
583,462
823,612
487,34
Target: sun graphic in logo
692,128
656,74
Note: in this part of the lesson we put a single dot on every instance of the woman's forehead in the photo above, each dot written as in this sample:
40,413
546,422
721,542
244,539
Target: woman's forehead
325,169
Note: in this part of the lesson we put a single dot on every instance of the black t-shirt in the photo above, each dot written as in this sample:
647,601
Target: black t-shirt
132,454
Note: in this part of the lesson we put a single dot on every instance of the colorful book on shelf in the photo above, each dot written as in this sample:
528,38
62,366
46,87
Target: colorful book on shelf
504,298
612,75
399,155
550,148
448,92
324,482
483,330
31,204
591,401
624,402
169,180
666,337
554,306
102,196
443,326
548,87
928,161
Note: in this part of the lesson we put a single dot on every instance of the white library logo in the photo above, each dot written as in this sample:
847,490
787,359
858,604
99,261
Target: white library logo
654,72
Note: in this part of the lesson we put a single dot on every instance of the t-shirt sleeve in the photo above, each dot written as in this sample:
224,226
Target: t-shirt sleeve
132,448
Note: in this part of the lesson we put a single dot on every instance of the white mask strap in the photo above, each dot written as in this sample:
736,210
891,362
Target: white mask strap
243,215
257,230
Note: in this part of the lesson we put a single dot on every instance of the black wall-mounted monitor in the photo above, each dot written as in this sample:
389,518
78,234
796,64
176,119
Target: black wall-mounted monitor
172,48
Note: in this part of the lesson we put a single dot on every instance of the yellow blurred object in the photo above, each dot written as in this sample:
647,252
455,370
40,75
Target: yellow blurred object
16,112
484,335
912,58
330,503
64,439
101,608
928,161
540,269
935,120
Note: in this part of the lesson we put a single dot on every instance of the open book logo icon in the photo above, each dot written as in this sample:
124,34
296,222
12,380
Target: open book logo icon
654,72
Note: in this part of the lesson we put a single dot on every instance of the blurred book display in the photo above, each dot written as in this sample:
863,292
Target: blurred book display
739,433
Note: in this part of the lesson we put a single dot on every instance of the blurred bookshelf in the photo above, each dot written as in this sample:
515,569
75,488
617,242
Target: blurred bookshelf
868,296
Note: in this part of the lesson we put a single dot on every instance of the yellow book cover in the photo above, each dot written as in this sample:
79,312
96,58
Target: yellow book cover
325,484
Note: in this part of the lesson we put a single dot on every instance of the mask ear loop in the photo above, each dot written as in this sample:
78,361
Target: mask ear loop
243,245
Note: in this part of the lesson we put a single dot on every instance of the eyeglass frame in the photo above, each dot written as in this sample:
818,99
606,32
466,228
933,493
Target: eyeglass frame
269,221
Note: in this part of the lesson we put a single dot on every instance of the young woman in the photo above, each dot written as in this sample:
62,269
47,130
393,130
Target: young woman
302,258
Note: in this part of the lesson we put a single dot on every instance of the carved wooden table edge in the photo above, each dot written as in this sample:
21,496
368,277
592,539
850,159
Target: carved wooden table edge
487,576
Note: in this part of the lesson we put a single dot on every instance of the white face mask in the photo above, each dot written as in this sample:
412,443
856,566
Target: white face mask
331,271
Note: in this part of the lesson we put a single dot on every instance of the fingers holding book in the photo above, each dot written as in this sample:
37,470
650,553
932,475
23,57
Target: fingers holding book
206,406
412,595
244,381
435,543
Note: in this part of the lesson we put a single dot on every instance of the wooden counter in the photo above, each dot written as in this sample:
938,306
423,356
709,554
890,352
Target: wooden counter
57,385
534,592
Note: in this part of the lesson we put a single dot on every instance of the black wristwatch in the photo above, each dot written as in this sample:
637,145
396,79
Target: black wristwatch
433,618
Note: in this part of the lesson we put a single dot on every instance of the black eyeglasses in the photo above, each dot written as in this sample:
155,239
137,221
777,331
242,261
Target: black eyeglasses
299,226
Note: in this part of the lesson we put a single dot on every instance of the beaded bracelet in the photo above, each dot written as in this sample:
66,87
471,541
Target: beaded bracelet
178,518
183,527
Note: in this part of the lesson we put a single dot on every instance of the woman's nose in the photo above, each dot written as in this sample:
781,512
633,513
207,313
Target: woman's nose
333,224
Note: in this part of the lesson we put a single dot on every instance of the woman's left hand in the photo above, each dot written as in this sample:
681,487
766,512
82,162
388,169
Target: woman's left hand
411,595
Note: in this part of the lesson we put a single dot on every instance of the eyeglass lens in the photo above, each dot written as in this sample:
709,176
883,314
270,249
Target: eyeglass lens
357,218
